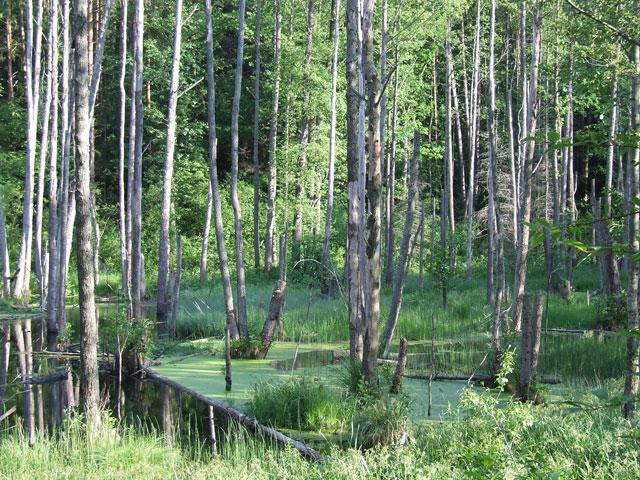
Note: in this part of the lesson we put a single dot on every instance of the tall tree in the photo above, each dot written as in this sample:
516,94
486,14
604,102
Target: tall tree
124,251
270,237
9,45
256,140
204,249
305,125
163,248
88,322
374,198
332,146
4,252
231,326
241,288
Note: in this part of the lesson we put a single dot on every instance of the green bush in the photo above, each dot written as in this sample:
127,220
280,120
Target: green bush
302,403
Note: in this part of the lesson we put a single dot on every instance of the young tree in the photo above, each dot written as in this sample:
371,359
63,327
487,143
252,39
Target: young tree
270,238
231,325
241,288
256,141
88,322
332,146
163,249
124,251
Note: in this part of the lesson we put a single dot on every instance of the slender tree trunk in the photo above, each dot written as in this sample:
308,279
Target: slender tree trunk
270,238
402,266
448,140
175,293
256,140
88,322
374,198
165,216
632,378
231,328
136,190
124,251
353,175
4,253
612,145
241,289
332,148
53,290
304,136
4,362
473,124
9,45
391,181
529,152
205,237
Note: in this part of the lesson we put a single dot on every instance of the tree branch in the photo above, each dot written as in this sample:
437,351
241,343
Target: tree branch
604,23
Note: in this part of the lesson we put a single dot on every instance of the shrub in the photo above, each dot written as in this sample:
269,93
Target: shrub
611,311
381,422
302,403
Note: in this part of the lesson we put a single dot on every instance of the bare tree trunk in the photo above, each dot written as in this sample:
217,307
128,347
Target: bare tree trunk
396,386
53,290
256,140
402,267
165,216
4,362
391,181
273,317
571,182
612,145
124,251
232,328
241,289
332,149
175,294
270,238
354,280
374,198
632,379
304,137
205,237
473,140
530,349
4,253
529,152
136,190
448,138
88,322
9,45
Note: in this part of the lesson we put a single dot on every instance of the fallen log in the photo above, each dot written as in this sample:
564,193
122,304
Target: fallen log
249,422
472,378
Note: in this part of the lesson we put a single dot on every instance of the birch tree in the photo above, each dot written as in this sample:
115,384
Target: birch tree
164,248
256,140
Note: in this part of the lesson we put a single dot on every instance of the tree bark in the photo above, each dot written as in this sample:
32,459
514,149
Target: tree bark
529,152
374,198
270,238
9,45
165,215
205,237
88,321
136,190
332,149
273,317
612,144
304,136
124,251
256,140
632,378
402,267
354,278
232,327
4,253
391,181
241,289
530,345
396,386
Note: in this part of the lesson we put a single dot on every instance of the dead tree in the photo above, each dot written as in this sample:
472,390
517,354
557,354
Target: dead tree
530,345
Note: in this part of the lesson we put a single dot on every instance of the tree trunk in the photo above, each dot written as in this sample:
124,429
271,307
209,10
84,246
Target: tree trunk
449,196
4,362
391,181
332,150
9,45
4,253
612,145
273,317
473,140
175,294
88,322
232,327
529,152
241,289
374,198
304,136
632,378
124,253
402,267
205,237
136,190
353,174
270,238
396,386
165,216
256,140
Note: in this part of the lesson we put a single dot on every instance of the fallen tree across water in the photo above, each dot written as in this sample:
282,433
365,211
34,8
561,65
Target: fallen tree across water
249,422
